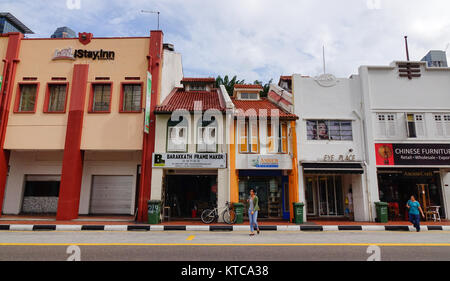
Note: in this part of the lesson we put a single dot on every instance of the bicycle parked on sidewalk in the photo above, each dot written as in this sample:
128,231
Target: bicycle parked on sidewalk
210,215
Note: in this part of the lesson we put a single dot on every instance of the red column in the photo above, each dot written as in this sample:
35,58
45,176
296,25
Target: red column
72,167
155,67
6,92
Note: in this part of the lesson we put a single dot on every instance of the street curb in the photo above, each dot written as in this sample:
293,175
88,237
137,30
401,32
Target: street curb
227,228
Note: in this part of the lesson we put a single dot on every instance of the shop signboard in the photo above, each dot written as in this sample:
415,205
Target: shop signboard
275,162
190,160
392,154
148,94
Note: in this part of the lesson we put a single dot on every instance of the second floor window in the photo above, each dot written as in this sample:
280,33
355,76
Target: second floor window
131,98
415,125
329,130
248,140
442,125
101,99
177,135
277,138
56,97
27,98
207,136
386,124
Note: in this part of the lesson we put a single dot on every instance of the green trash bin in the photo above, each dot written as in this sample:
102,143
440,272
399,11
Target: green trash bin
239,211
154,211
382,212
298,213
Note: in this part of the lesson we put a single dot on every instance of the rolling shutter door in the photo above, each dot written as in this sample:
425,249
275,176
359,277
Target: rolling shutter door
112,195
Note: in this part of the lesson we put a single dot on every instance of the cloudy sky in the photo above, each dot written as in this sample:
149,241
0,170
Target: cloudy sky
258,39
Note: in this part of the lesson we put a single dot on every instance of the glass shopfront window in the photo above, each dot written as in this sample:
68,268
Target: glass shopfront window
397,186
324,195
269,191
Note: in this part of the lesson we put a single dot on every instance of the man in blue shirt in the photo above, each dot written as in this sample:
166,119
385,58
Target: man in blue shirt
414,208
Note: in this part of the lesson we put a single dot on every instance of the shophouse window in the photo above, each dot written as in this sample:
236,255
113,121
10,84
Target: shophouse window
248,140
101,97
198,88
415,125
249,96
329,130
386,124
56,98
131,98
442,125
27,98
277,137
207,136
177,135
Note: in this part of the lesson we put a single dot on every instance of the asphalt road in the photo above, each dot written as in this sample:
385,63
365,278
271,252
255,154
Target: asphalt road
224,246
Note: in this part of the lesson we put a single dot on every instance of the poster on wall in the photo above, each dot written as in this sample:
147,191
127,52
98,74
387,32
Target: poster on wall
148,94
390,154
190,160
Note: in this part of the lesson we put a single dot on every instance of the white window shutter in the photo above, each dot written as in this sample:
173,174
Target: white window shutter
391,126
420,125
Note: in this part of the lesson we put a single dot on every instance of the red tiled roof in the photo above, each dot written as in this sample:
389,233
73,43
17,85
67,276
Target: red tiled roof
244,86
278,98
285,77
180,99
207,80
262,107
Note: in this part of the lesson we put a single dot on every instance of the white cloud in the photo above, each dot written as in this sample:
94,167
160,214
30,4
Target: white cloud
261,39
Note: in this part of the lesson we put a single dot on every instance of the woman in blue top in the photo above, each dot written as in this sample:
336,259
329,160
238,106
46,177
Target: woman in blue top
414,208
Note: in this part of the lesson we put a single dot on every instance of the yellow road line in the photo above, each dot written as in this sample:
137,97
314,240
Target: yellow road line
190,238
238,244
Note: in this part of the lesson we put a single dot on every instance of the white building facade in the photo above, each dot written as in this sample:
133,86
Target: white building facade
330,147
407,119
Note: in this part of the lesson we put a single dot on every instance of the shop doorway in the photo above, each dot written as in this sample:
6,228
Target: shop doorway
40,195
397,186
272,192
324,196
188,195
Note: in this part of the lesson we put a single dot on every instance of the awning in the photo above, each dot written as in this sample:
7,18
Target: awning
332,168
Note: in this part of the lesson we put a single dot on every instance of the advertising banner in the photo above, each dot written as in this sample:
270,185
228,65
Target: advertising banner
391,154
190,160
148,95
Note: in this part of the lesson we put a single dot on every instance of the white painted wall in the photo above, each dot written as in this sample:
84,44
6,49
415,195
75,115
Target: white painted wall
172,73
27,163
342,101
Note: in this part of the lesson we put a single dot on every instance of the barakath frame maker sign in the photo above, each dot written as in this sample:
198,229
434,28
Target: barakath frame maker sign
190,160
390,154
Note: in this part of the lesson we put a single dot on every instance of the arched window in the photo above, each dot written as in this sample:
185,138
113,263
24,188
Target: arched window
177,135
207,135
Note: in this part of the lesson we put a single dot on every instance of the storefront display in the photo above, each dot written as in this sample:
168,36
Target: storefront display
396,186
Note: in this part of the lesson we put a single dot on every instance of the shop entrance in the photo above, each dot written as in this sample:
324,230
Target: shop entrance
188,195
397,186
324,196
272,192
40,195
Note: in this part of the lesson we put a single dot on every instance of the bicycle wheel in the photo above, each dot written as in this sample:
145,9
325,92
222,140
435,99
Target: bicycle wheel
208,216
229,216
